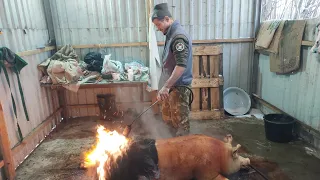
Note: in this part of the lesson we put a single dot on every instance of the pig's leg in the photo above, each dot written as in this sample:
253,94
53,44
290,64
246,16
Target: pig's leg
220,177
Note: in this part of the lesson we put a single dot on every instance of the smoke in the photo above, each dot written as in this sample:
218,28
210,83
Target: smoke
148,125
151,125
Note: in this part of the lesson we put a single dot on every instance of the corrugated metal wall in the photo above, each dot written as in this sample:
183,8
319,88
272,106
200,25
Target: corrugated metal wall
24,28
297,94
109,21
101,22
220,19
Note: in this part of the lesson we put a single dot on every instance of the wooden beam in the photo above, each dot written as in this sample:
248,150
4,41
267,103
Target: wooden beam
130,104
278,110
19,147
5,147
85,46
1,164
206,82
161,43
207,115
37,51
99,85
214,41
307,43
207,50
240,40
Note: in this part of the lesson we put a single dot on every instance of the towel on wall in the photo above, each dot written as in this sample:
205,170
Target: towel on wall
288,57
154,59
266,33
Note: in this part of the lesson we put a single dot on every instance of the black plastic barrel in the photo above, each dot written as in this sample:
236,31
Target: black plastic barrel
279,127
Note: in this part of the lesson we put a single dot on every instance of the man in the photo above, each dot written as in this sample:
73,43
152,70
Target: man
176,70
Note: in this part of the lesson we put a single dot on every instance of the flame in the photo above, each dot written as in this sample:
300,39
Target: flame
109,143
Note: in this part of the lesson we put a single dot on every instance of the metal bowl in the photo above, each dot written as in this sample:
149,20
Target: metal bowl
236,101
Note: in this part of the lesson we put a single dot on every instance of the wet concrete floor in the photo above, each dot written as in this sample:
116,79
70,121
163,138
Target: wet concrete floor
59,156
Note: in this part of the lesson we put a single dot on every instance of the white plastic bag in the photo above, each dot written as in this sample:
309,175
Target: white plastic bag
111,66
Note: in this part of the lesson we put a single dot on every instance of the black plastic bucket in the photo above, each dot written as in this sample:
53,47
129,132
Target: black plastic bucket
278,127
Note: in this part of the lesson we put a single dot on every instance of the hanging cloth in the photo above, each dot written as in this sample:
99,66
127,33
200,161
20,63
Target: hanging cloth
16,63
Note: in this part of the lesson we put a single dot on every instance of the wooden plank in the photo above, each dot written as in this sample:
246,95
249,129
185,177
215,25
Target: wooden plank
204,67
90,100
307,43
206,50
204,74
205,83
204,98
221,105
19,147
37,51
207,115
100,85
56,120
21,150
215,98
141,89
196,92
65,103
195,67
161,43
121,106
214,66
82,100
118,103
97,91
5,147
73,98
86,46
214,41
278,110
240,40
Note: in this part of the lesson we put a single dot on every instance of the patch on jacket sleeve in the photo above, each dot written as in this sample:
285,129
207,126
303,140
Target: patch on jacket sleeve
180,50
180,46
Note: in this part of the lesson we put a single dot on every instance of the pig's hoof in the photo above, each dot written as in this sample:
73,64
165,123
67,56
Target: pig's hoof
228,138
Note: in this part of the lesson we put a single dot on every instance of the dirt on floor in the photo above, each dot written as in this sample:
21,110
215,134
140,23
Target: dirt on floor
60,155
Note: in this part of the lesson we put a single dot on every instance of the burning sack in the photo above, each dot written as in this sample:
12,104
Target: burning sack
179,158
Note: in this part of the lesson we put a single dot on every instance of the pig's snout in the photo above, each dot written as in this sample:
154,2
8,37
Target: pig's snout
244,162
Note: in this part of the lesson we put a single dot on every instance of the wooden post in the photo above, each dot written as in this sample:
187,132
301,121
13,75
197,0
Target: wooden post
56,119
5,147
63,101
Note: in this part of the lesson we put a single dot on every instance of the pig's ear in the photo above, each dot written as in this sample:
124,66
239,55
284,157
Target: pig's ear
235,151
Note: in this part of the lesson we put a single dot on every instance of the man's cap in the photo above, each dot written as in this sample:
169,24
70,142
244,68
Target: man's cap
160,11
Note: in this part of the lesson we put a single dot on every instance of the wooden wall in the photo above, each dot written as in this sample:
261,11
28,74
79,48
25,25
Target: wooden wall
84,102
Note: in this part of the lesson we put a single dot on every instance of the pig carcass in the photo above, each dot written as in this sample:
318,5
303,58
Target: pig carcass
198,156
179,158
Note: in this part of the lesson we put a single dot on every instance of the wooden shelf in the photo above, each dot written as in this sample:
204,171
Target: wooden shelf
100,85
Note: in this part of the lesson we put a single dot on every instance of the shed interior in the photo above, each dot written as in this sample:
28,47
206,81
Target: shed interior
264,53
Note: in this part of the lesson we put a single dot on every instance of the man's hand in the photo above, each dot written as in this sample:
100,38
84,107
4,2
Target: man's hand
163,93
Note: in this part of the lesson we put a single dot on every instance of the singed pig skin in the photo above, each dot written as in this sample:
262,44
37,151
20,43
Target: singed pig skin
197,156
